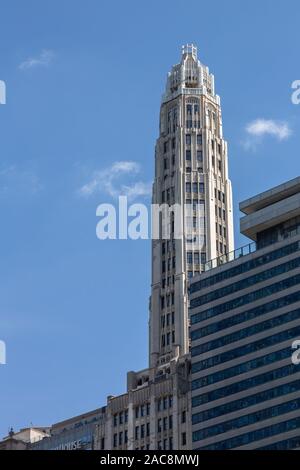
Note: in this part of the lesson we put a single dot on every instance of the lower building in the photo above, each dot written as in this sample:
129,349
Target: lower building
74,433
153,414
245,315
22,439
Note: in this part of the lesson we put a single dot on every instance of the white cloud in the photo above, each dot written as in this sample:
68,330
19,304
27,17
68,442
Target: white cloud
109,181
260,128
44,59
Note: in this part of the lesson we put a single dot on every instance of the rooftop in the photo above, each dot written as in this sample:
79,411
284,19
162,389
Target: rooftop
271,196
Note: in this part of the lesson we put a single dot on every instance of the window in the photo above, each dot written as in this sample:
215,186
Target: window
220,212
142,431
170,401
115,420
255,295
195,187
201,187
120,438
165,444
188,155
159,425
241,386
223,198
126,416
196,108
241,368
224,215
188,139
199,139
148,429
199,156
219,195
188,187
173,336
163,266
142,410
183,439
137,410
163,198
168,339
171,443
190,257
115,440
189,109
173,143
224,232
244,350
170,422
121,418
196,257
219,165
165,163
251,418
173,318
137,432
183,417
148,409
165,423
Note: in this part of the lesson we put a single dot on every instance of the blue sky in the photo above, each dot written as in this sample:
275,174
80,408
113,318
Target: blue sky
84,81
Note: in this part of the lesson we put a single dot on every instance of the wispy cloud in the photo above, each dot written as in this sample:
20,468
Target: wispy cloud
111,181
44,59
258,129
14,181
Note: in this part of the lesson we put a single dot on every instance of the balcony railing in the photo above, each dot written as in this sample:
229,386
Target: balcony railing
233,255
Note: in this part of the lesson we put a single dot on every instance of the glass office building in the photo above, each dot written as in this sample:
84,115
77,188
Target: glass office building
245,316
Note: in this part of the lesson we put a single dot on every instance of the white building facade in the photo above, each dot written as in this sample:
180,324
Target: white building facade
191,170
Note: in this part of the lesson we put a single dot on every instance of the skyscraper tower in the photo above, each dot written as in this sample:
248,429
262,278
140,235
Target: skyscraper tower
191,170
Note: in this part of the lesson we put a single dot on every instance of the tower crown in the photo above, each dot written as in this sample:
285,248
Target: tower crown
189,73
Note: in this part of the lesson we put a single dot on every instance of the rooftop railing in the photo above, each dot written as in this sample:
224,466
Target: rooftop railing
233,255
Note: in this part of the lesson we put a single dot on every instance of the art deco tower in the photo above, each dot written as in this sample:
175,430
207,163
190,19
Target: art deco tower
191,168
